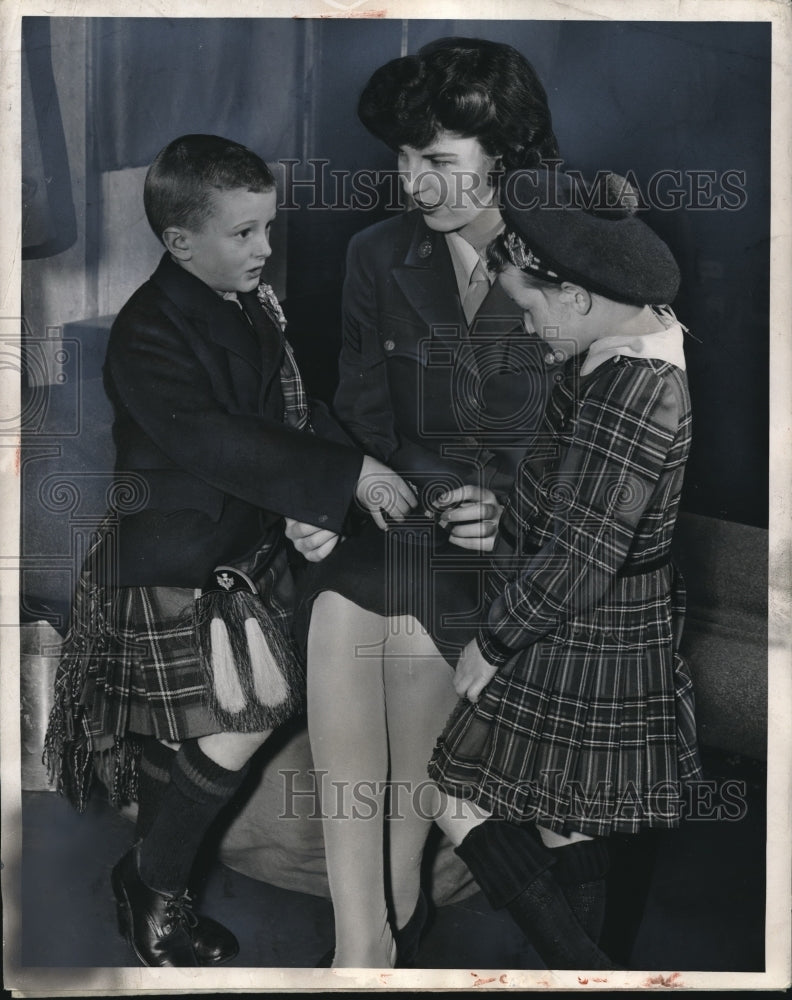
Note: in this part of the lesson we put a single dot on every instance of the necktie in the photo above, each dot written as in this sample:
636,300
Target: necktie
476,292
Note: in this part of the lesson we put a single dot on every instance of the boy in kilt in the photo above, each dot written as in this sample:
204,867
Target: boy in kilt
179,654
577,717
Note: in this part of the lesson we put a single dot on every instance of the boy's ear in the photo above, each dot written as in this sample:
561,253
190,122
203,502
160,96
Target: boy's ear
577,297
177,242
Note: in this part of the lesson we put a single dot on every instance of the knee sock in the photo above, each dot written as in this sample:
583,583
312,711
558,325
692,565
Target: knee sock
512,869
580,870
153,779
198,790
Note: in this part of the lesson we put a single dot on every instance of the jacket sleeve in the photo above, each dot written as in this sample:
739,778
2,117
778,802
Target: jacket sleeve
158,378
623,441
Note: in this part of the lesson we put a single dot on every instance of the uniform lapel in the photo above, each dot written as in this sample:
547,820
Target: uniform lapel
426,277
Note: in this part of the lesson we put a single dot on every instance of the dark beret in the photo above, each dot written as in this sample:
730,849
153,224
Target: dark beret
587,232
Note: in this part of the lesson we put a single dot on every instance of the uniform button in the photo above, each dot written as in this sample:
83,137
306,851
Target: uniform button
389,345
322,518
558,377
559,357
549,358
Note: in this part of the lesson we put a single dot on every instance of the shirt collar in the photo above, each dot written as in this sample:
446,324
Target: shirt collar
664,345
467,251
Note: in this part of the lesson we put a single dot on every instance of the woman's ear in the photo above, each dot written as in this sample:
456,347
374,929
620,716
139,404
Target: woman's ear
577,297
177,242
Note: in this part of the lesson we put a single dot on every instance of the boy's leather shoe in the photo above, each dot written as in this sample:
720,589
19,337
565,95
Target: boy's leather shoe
212,943
158,926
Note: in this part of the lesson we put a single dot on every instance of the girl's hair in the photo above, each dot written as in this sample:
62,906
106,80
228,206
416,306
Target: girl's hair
179,183
477,88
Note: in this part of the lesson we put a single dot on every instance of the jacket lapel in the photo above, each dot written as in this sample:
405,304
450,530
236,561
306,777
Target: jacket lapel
426,277
268,334
220,321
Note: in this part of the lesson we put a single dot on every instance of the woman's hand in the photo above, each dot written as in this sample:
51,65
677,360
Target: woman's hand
380,491
473,673
471,515
312,542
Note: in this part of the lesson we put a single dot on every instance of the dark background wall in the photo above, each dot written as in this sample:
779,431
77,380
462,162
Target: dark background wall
630,96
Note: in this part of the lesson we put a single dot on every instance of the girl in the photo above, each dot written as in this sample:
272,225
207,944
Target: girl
577,712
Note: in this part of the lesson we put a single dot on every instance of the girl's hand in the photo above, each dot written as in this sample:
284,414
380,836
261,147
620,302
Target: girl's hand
473,673
472,514
380,491
312,542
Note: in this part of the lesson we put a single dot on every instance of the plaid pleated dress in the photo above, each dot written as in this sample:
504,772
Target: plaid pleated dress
589,724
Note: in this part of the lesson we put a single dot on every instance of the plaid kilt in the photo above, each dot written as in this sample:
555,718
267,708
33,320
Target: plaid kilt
130,667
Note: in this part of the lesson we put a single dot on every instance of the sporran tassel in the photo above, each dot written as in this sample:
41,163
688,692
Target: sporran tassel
253,675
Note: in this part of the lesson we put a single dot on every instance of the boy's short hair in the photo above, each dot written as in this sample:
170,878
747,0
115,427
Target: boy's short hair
180,181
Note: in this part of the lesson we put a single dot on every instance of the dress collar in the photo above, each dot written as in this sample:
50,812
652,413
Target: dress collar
664,345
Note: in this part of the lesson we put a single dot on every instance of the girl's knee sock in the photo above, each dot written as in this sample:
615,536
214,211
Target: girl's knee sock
581,870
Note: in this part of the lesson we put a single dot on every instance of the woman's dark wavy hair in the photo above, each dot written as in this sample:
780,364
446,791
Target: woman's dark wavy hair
473,87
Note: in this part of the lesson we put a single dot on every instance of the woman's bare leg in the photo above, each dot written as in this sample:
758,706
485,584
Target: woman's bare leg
419,696
347,730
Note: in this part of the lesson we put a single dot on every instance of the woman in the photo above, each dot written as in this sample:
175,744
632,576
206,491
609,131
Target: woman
439,378
577,715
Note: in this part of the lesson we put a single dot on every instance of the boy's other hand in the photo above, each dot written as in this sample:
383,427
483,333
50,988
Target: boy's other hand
470,514
382,491
473,673
311,542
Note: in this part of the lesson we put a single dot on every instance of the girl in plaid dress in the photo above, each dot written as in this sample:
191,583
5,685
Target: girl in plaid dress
576,716
179,654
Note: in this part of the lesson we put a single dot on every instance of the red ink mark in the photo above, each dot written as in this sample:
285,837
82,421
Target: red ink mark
17,460
503,979
583,982
483,982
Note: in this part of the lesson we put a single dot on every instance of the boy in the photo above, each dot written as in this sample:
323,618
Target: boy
212,423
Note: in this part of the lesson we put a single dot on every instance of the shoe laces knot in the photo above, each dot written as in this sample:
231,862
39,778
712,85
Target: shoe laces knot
179,912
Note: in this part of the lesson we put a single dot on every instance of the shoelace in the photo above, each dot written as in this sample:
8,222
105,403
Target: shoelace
178,912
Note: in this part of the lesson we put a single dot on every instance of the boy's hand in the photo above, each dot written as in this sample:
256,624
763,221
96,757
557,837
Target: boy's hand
473,673
472,514
312,542
380,491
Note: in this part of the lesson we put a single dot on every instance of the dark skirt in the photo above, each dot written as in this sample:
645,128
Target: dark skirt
131,667
411,569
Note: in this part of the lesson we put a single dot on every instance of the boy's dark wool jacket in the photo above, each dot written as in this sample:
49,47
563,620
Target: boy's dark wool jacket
199,434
